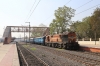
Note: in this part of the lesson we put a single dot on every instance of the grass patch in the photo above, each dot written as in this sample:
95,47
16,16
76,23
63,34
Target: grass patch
33,48
59,49
25,45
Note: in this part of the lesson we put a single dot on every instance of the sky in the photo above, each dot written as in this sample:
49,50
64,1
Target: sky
17,12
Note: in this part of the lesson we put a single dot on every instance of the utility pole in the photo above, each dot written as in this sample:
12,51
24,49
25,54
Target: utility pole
29,30
23,30
26,40
20,37
95,37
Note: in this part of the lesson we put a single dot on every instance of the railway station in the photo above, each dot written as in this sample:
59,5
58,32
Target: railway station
69,37
12,52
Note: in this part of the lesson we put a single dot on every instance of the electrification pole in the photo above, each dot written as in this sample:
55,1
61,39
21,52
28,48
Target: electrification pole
29,30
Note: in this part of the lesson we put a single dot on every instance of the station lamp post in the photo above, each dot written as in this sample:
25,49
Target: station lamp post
29,30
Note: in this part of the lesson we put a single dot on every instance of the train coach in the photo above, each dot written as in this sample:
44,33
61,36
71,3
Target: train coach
66,41
39,40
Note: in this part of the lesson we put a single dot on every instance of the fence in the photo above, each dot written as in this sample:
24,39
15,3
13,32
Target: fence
88,41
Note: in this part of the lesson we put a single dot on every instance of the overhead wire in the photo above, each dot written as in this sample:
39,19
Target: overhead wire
34,10
77,7
68,2
48,18
52,15
86,9
32,5
30,9
84,4
65,4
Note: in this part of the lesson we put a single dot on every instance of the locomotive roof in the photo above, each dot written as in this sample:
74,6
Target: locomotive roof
65,33
39,37
57,34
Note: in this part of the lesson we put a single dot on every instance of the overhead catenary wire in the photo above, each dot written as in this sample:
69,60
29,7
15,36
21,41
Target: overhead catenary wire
76,8
48,18
33,5
87,9
30,9
84,4
52,15
34,10
68,2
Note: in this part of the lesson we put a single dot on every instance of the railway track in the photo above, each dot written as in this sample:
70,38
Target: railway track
29,59
22,58
83,60
92,53
87,61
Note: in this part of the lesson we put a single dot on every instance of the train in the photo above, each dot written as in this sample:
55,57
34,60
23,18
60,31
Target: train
65,41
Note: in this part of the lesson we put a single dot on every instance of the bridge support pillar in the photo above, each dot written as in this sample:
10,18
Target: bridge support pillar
7,35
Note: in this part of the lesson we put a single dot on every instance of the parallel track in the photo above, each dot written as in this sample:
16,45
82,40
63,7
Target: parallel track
29,58
77,58
92,53
22,57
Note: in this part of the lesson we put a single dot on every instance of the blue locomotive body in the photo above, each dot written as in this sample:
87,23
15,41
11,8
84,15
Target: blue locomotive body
39,40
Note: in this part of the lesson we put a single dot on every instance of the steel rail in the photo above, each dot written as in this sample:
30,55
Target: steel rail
70,56
38,58
23,56
44,63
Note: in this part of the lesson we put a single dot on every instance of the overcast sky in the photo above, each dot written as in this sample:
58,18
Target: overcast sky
17,12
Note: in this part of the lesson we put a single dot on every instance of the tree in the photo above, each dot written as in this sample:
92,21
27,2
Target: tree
37,32
95,22
89,26
53,27
81,27
62,19
76,27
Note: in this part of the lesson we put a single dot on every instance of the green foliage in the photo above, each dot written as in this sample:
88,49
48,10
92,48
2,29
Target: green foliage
26,45
89,26
62,20
33,48
37,32
82,28
95,22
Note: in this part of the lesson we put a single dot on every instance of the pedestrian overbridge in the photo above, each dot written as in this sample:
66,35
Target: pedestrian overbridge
40,31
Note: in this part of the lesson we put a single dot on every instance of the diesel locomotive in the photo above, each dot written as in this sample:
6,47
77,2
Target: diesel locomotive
66,41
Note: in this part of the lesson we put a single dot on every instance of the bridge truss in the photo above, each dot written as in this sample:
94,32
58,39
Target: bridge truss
35,31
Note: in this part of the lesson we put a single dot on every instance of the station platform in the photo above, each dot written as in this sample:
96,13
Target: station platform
91,45
8,55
